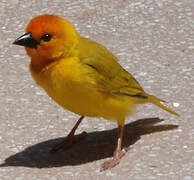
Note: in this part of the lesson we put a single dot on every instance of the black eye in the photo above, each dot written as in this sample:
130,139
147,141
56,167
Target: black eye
46,37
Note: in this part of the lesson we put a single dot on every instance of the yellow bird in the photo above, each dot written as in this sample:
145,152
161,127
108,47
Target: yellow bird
82,76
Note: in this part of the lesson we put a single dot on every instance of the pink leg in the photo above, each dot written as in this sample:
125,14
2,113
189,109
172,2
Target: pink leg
71,138
118,153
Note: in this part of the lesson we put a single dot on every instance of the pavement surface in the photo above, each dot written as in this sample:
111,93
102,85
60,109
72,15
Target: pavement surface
154,40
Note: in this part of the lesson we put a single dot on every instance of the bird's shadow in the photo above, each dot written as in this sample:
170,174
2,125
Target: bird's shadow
97,145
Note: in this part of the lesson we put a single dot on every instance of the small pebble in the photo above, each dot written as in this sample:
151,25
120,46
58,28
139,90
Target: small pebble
176,104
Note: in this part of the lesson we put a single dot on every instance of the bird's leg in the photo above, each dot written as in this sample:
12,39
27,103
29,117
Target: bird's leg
118,153
71,138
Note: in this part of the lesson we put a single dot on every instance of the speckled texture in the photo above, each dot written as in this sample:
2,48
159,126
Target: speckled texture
154,40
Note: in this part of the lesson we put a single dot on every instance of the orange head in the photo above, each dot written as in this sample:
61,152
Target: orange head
47,39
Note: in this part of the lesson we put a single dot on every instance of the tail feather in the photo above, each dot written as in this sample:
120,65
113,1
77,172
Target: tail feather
157,101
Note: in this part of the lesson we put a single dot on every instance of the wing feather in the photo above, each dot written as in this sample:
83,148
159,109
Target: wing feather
111,77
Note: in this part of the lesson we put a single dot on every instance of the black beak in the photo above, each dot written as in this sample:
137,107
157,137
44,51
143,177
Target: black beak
26,40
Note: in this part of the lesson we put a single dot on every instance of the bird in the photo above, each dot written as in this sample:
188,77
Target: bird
83,77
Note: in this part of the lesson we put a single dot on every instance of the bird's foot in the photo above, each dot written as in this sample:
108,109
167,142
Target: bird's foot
114,161
68,142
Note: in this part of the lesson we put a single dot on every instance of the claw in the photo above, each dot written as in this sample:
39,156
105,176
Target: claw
113,162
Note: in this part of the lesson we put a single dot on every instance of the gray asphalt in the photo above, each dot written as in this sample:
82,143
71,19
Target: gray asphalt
154,41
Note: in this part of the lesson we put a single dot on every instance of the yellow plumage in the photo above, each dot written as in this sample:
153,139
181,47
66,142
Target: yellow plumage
92,83
81,75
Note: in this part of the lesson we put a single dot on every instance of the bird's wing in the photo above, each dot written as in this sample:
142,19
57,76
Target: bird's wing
109,74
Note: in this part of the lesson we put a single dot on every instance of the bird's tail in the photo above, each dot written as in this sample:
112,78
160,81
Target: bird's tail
156,101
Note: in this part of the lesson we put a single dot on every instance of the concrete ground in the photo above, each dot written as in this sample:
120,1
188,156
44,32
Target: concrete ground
154,41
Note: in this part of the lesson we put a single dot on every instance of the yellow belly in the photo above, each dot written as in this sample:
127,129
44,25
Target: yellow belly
70,84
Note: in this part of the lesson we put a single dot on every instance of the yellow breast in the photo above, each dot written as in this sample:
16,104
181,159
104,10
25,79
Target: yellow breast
70,84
